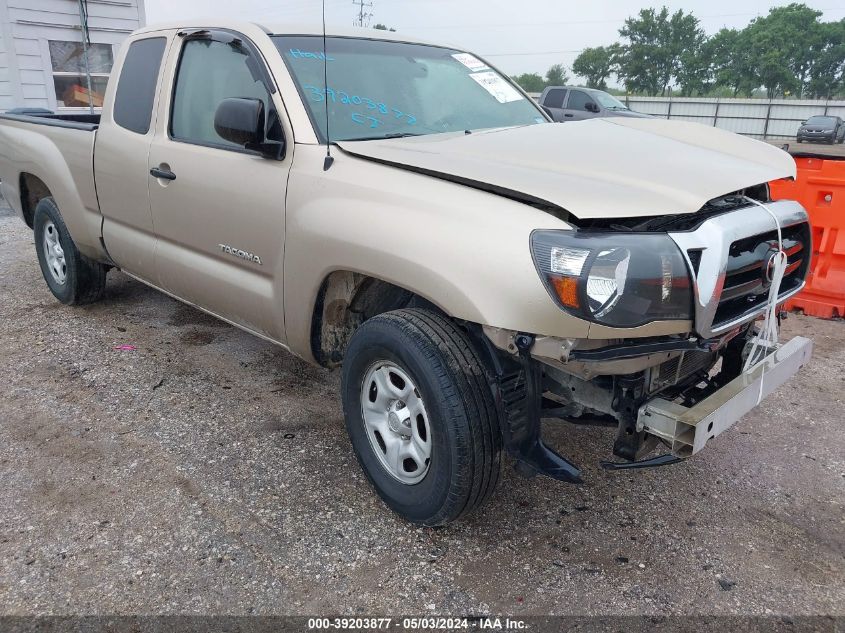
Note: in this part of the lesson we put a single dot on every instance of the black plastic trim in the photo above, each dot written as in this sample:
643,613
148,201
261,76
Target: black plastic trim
615,352
51,122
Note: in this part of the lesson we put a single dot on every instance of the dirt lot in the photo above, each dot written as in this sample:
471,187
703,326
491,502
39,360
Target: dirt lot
821,149
209,472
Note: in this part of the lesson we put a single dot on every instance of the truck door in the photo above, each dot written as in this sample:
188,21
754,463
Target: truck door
120,157
578,104
553,100
218,208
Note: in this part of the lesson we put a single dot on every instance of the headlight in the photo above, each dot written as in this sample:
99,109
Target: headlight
616,279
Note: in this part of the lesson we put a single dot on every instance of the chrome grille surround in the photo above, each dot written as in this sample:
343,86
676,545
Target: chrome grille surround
713,239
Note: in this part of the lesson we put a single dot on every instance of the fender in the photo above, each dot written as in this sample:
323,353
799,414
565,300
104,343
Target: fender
466,251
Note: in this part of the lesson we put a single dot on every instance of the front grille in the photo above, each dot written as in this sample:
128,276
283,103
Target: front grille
746,285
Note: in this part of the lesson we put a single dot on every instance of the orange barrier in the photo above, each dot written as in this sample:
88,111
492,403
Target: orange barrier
820,188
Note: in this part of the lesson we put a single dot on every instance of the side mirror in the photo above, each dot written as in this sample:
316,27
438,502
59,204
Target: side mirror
591,107
548,111
240,121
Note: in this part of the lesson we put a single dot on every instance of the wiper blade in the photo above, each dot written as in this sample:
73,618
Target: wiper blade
386,136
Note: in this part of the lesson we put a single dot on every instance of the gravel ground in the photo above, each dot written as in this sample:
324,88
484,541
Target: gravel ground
209,472
822,149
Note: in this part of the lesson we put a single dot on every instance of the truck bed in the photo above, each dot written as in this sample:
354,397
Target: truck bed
53,152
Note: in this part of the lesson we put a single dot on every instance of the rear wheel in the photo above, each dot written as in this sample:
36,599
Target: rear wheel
71,277
420,415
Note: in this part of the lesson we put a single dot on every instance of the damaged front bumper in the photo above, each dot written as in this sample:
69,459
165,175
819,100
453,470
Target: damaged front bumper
683,428
686,430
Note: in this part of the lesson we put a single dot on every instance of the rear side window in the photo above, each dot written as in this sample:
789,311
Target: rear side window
133,105
555,98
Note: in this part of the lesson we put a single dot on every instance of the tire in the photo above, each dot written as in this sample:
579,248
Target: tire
449,384
72,278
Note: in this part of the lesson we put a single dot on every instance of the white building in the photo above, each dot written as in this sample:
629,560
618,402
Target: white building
42,60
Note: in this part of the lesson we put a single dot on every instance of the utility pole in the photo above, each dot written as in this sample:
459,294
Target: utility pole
364,12
86,41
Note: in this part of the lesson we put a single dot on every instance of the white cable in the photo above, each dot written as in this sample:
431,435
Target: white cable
766,338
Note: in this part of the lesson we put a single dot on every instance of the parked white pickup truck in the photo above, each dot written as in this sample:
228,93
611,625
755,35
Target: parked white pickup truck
472,266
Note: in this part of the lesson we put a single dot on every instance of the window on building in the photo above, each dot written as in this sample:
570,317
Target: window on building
69,80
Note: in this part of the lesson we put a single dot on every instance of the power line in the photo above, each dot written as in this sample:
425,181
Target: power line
577,22
580,50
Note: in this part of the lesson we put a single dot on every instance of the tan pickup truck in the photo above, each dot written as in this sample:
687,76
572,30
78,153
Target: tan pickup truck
472,266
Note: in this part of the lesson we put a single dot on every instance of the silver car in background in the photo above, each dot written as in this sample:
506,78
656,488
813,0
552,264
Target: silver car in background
565,103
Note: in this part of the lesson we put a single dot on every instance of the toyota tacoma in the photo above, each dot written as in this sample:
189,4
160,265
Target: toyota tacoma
405,212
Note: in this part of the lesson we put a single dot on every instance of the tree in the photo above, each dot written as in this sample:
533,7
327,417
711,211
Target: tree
382,27
827,73
783,42
732,62
556,76
530,82
596,64
656,43
690,61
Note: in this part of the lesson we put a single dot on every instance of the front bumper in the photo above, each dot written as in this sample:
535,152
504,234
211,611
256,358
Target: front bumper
827,137
686,430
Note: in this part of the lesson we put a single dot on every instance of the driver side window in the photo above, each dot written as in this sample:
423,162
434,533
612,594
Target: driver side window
578,100
209,72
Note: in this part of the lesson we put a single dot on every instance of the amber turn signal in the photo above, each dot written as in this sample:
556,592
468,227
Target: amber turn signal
566,289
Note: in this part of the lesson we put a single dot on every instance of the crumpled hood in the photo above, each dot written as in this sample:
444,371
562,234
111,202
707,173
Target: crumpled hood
600,168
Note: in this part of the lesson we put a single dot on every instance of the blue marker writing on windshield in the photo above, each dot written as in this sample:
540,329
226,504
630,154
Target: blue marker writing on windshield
299,54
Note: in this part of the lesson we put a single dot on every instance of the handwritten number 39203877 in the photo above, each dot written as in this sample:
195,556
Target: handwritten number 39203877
320,95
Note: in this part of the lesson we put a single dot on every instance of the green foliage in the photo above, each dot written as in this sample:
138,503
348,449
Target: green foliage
530,82
783,43
597,64
789,52
827,70
556,76
732,61
662,48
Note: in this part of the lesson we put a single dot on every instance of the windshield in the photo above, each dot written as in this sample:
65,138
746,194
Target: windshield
821,120
381,89
608,101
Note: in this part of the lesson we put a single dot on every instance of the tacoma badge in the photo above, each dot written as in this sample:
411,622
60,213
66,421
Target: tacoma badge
236,252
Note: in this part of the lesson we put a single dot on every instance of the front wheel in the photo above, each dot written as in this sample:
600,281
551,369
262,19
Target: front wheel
420,414
71,277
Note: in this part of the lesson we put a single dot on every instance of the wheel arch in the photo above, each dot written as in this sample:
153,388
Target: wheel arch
344,301
32,190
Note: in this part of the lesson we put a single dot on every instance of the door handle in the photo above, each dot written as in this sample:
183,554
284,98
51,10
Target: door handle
569,115
165,174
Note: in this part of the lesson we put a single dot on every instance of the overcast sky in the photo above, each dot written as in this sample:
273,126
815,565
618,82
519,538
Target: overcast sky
516,35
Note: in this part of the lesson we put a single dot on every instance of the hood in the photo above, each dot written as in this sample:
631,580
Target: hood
599,168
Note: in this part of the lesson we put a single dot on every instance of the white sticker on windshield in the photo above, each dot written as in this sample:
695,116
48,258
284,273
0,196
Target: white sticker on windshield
470,61
496,86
